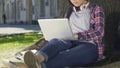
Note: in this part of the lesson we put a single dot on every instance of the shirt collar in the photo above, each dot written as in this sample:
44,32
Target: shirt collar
82,7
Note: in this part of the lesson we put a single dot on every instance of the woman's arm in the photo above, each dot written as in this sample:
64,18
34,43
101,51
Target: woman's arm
98,30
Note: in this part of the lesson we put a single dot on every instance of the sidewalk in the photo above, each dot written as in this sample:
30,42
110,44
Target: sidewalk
17,29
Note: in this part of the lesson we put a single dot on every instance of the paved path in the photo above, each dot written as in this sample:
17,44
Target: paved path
16,29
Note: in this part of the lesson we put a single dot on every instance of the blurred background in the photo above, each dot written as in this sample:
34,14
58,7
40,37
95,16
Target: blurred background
27,11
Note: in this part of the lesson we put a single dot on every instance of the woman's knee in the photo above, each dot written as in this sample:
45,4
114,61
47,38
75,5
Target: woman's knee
55,41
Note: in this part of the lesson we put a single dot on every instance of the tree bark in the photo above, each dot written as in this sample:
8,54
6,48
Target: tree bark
63,5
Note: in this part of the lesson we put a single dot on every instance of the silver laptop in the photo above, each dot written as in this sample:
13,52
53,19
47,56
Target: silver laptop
56,28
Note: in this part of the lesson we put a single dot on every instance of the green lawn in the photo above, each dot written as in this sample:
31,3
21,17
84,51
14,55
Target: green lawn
9,45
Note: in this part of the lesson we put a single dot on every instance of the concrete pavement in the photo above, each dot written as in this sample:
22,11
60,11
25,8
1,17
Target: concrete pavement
8,29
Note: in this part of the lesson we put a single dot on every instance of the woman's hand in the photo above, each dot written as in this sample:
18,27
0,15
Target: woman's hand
76,36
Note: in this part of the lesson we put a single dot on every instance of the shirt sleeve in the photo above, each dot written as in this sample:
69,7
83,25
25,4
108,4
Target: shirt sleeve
96,30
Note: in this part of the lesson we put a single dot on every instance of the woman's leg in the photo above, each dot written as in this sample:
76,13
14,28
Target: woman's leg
80,55
53,47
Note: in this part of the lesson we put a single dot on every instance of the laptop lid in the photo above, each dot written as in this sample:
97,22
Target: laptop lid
56,28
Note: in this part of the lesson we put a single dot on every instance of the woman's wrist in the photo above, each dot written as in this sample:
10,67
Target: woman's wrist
79,35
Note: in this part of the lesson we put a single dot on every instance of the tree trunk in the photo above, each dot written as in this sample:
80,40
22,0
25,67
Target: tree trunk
63,5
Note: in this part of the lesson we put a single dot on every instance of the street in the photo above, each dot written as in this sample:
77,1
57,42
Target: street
18,29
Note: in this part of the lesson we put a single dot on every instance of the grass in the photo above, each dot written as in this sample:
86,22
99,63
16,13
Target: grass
9,45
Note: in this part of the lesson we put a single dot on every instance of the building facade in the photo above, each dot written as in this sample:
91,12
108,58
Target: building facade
1,10
27,11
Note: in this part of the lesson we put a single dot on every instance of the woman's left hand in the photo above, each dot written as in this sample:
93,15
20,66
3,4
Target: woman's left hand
76,36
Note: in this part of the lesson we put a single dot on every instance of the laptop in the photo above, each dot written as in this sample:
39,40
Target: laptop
56,28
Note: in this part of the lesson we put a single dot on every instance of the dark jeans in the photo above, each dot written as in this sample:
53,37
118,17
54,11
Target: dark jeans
61,54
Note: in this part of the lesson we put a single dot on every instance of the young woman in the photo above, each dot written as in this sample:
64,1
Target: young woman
87,23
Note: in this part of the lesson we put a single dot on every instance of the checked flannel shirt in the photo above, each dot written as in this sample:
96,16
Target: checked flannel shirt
96,31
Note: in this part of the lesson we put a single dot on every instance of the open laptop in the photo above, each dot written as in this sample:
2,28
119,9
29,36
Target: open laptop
56,28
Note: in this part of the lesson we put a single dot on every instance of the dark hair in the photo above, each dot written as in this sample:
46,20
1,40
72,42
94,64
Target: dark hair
77,8
70,3
68,12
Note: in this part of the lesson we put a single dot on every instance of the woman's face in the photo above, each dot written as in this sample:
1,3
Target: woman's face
77,3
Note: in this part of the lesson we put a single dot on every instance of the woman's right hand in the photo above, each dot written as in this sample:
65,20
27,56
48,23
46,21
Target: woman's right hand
76,36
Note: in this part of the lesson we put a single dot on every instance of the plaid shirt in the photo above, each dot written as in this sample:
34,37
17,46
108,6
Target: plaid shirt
96,31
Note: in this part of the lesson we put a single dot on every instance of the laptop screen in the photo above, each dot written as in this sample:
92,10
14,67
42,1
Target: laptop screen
56,28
